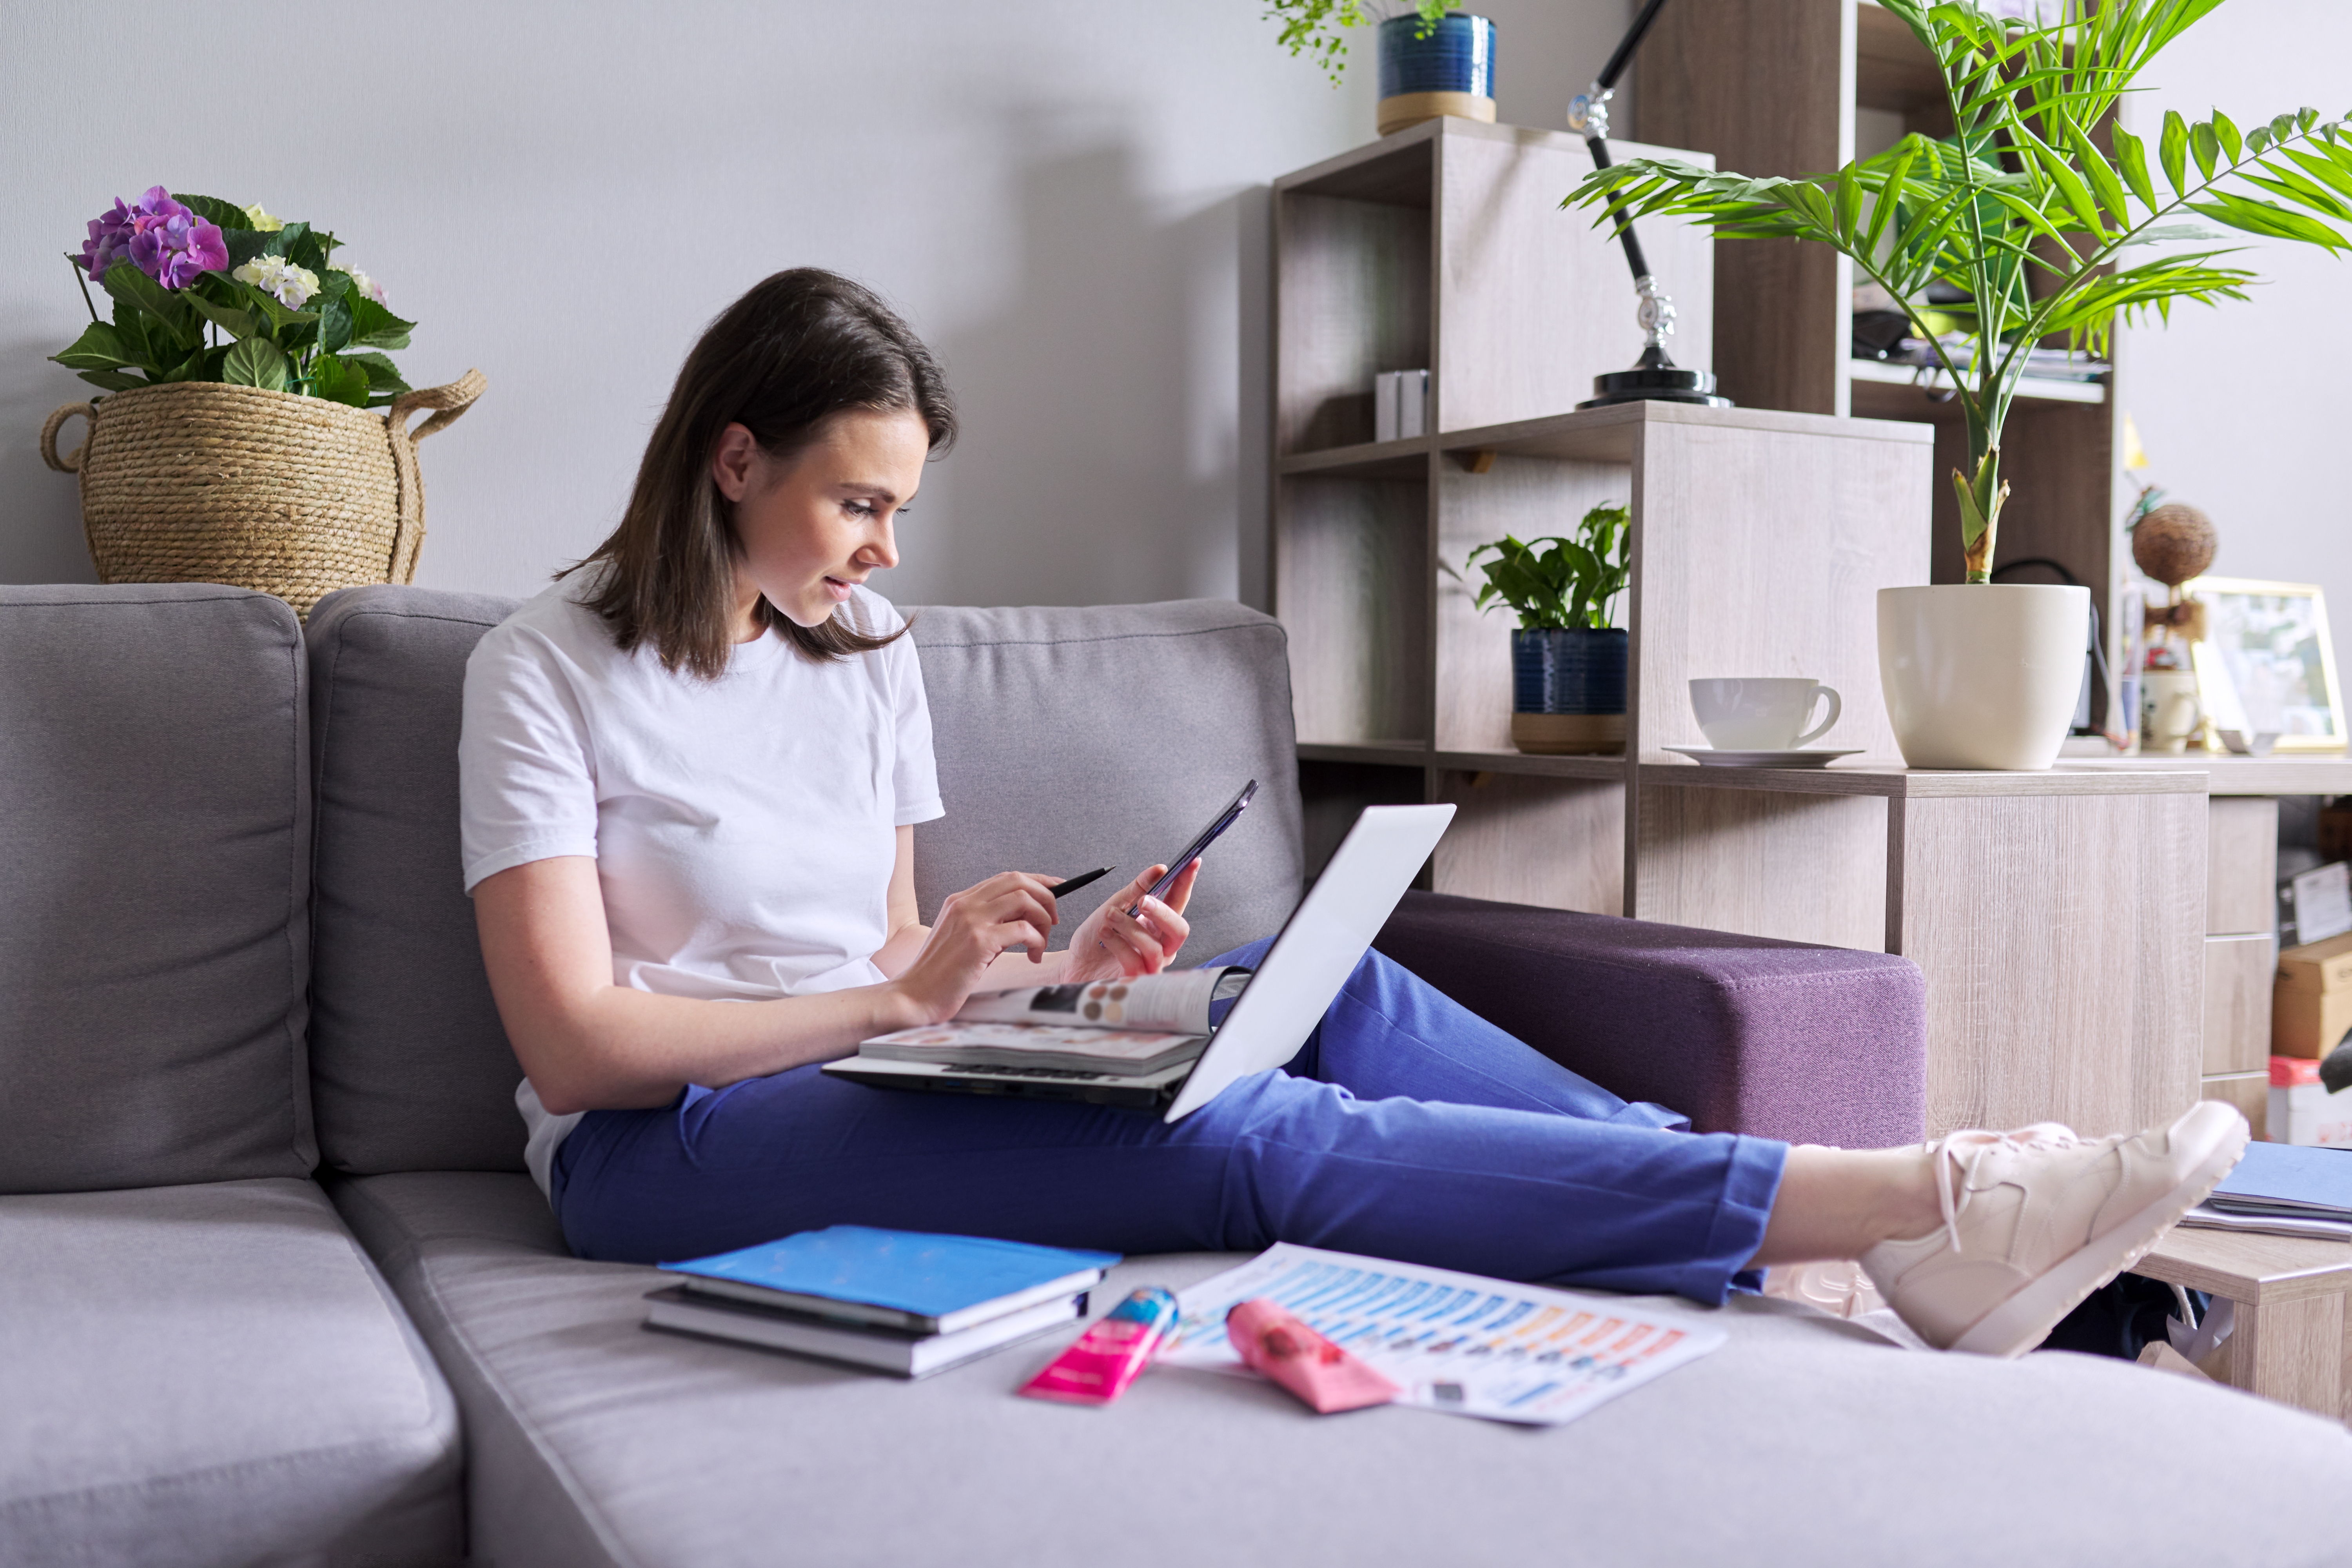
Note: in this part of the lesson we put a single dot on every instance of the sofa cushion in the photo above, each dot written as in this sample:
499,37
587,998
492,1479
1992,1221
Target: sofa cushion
154,868
409,1066
1804,1440
1069,739
213,1374
411,1069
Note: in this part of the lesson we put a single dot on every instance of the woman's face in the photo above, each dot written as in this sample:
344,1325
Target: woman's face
811,526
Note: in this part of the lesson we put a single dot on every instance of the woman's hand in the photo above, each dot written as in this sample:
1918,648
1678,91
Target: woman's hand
1011,909
1110,944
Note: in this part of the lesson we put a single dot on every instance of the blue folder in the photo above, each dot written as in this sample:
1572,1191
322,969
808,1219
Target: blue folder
917,1280
2289,1178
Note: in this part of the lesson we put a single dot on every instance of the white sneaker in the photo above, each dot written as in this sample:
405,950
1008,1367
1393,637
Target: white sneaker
2037,1219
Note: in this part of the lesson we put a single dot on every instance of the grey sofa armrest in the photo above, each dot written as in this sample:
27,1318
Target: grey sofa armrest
1743,1033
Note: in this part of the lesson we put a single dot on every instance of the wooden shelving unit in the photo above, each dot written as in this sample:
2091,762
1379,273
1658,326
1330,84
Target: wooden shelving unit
1760,537
1796,87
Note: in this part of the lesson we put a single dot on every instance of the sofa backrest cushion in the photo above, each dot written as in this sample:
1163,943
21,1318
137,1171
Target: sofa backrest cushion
410,1068
154,873
1065,738
1069,739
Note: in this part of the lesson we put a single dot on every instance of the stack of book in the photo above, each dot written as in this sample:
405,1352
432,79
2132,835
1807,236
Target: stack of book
2282,1189
902,1301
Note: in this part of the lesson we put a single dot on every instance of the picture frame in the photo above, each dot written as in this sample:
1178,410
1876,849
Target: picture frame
2267,663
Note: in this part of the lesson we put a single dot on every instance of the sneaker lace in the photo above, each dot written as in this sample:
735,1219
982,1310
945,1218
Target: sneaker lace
1965,1151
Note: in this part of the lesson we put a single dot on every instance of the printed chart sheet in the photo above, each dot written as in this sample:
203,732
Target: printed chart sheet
1454,1342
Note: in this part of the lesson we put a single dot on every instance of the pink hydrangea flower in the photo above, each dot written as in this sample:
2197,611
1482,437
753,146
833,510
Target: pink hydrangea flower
167,242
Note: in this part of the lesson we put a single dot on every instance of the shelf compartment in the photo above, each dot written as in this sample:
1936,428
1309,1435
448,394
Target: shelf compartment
1526,498
1883,391
1333,793
1351,249
1351,584
1558,843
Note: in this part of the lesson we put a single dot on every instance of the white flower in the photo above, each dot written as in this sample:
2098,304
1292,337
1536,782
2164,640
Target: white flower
289,285
262,220
360,280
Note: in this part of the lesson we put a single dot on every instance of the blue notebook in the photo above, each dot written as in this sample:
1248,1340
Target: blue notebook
900,1279
2288,1179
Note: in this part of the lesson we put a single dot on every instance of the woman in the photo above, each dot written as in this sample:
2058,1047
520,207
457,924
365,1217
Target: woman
690,775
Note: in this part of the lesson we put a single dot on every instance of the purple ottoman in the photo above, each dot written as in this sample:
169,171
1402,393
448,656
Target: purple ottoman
1743,1033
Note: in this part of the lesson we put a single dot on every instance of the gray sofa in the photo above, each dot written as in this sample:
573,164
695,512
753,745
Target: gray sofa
273,1288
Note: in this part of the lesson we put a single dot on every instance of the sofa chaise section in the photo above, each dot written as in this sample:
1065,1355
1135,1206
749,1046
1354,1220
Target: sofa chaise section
197,1364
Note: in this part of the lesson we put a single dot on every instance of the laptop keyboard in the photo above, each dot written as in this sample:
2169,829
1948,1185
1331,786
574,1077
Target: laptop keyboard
995,1071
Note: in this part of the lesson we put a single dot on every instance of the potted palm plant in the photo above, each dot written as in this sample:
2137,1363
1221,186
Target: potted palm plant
1568,663
2035,209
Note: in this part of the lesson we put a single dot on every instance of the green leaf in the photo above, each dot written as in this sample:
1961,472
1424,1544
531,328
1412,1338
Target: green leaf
226,216
1890,193
193,367
99,347
374,327
112,380
339,380
306,251
2257,139
2077,194
2205,146
2265,218
2334,174
237,323
141,293
2103,181
2227,134
2131,155
2172,150
244,244
382,375
334,312
2298,190
1849,205
282,241
256,362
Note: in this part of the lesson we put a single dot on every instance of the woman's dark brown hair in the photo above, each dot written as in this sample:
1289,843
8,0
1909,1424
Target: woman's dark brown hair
801,347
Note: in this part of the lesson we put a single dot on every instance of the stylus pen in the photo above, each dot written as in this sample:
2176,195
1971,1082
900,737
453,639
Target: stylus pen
1071,884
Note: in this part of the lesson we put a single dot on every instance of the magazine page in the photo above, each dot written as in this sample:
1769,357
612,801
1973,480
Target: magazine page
1177,1000
1124,1052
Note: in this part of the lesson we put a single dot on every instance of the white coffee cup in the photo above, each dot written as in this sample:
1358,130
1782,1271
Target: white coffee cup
1760,714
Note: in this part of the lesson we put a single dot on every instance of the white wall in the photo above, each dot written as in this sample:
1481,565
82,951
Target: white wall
2243,408
1065,197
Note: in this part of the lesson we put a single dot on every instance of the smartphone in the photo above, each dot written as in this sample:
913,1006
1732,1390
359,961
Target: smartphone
1194,850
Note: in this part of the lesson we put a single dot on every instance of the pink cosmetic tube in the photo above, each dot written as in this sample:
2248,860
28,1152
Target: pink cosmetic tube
1278,1346
1111,1354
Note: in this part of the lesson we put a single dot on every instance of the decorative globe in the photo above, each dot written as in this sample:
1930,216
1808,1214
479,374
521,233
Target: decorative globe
2174,543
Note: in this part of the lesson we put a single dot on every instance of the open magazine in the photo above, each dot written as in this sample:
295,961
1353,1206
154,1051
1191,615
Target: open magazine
1116,1026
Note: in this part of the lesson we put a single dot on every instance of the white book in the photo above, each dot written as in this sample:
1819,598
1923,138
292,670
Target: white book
908,1355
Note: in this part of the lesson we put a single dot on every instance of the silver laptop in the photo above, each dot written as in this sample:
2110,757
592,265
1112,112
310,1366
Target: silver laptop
1320,944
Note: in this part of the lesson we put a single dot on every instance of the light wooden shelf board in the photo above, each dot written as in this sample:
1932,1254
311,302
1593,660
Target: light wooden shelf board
2238,775
1405,459
1608,435
1610,768
1910,387
1892,779
1384,753
1396,171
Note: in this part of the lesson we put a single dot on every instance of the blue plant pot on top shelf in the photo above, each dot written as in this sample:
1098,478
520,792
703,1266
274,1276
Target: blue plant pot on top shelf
1451,71
1567,690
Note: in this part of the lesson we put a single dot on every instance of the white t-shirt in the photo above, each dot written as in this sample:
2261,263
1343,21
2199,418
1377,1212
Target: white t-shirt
744,829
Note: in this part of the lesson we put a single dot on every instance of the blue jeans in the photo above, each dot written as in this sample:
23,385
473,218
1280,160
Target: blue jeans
1407,1127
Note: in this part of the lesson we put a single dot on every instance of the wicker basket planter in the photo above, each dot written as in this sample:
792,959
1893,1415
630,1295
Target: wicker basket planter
205,482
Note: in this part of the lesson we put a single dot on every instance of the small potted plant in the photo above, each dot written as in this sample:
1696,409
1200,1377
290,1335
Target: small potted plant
1568,663
2035,213
1433,59
236,444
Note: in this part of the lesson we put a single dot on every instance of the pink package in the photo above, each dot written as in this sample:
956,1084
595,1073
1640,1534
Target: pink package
1280,1346
1111,1354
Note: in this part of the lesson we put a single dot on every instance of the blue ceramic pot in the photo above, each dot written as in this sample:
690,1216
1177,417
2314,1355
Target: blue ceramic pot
1568,671
1458,56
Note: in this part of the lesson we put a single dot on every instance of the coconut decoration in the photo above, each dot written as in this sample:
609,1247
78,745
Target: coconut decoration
2173,543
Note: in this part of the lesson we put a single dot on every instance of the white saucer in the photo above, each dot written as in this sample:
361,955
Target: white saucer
1707,756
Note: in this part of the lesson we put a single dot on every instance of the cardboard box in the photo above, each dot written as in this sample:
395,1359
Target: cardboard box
2317,966
2311,1000
2303,1111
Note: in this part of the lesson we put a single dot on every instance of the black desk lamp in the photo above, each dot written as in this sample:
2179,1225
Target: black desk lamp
1655,376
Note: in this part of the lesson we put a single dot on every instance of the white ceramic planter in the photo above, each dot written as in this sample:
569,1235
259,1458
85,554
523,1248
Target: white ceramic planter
1982,675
